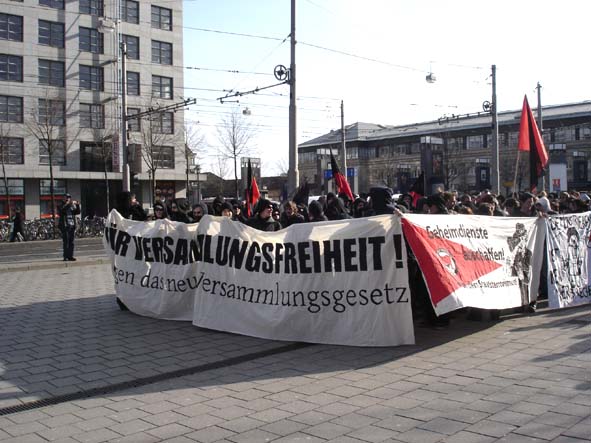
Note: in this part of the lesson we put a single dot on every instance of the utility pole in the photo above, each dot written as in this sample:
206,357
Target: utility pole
343,145
495,182
292,175
541,127
126,176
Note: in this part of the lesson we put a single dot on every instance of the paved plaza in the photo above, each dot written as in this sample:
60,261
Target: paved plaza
74,368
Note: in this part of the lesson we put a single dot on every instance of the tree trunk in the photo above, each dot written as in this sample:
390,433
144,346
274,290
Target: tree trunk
6,185
235,176
52,193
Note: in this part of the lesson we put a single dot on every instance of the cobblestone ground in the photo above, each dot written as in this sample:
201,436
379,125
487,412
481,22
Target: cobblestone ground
524,379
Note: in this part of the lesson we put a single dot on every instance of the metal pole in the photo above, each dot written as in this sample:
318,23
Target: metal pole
541,127
125,168
292,175
343,140
495,136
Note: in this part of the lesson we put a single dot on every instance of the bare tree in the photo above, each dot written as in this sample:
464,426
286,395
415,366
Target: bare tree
153,150
282,167
221,169
194,144
47,124
235,134
387,169
4,153
451,166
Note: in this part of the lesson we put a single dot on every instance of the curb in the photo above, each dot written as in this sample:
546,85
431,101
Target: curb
56,265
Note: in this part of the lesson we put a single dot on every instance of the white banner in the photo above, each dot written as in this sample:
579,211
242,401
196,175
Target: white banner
343,282
568,259
477,261
154,265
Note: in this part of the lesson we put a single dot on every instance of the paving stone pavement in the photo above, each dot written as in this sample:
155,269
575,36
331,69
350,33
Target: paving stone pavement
523,379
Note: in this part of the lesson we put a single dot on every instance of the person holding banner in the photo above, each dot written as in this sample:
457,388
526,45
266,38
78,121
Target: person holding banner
262,219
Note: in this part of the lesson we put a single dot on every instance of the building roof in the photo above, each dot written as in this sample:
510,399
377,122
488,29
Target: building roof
370,131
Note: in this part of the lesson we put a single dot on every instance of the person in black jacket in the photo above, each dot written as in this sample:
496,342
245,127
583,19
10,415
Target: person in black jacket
17,227
262,219
67,225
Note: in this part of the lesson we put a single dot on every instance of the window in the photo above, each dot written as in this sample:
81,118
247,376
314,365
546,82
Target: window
130,11
161,87
163,123
57,4
92,116
51,34
11,68
51,73
133,124
95,157
91,78
57,149
11,27
133,83
133,46
474,142
52,112
91,40
11,109
12,151
161,52
59,189
163,157
161,18
16,191
94,7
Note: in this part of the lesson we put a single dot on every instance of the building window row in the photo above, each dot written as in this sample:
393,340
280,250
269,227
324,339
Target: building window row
52,73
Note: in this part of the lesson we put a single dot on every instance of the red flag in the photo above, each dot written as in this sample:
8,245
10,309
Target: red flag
531,140
252,191
341,182
417,190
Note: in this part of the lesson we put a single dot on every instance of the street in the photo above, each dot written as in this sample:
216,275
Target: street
75,368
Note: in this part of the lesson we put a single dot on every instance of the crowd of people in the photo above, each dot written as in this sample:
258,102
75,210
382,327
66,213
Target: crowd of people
271,216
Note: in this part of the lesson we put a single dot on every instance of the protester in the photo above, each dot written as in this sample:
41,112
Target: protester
67,225
227,210
335,209
136,211
216,206
290,215
380,201
17,232
160,211
316,212
199,210
436,204
526,205
180,211
262,220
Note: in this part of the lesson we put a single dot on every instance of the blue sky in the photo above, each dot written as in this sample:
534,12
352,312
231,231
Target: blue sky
529,41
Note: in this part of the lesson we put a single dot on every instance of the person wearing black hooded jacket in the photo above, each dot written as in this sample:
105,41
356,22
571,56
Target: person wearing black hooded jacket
381,201
262,219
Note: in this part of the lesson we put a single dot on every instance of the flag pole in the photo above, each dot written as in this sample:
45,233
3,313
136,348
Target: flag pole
516,169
